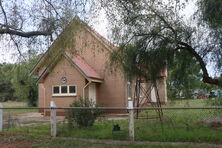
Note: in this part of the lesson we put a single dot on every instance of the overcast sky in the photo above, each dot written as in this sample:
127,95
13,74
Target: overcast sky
8,52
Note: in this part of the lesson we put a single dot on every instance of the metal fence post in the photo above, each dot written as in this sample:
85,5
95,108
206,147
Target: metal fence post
1,117
131,120
53,118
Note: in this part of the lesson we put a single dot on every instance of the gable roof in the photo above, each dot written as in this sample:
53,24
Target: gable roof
107,44
88,72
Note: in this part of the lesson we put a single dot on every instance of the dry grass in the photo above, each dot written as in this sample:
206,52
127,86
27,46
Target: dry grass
16,104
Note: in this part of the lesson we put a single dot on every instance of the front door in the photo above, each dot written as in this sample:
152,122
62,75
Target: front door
92,92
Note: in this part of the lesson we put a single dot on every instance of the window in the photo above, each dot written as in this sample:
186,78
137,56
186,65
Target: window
72,89
56,90
64,90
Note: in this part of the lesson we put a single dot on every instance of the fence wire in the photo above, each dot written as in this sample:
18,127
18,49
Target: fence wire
196,124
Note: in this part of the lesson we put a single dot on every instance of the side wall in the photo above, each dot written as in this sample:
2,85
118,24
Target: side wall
112,92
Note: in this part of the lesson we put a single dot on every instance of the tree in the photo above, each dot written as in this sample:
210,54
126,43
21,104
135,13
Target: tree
36,22
152,26
24,85
184,77
6,90
158,31
210,12
45,16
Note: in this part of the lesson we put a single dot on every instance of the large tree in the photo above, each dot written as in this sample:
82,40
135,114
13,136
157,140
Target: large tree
158,30
34,24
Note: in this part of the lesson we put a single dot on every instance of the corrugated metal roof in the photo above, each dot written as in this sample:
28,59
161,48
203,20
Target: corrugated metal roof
83,66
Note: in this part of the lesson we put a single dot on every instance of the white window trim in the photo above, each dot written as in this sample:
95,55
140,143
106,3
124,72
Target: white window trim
63,94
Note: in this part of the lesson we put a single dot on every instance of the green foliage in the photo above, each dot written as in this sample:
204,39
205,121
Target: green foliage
136,60
83,117
184,77
211,12
158,30
6,91
65,41
23,84
16,82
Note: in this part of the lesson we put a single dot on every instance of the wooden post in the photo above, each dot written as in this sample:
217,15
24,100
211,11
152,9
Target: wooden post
53,118
1,117
131,120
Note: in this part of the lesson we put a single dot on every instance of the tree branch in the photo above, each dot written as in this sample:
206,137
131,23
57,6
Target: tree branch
4,13
25,34
17,46
206,77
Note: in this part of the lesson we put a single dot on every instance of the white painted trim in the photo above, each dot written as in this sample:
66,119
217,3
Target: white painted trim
63,94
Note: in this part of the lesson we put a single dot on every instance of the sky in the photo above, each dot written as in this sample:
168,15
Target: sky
8,53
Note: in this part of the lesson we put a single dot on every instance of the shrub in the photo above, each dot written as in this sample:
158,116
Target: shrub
83,117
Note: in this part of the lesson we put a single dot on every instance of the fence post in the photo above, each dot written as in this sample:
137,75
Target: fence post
131,120
1,117
53,118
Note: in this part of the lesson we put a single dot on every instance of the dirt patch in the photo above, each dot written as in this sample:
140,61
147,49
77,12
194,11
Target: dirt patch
28,119
13,140
15,144
35,118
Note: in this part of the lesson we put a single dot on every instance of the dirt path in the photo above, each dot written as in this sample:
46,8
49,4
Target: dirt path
15,140
125,142
35,118
29,119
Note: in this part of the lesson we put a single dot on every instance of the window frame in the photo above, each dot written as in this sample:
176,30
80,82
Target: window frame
63,94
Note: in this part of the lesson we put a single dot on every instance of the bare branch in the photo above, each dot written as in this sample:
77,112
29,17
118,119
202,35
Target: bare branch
17,46
25,34
49,3
4,13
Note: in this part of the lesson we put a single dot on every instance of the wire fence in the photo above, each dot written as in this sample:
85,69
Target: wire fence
196,124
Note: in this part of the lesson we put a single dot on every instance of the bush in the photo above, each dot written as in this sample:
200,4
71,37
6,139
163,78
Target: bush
83,117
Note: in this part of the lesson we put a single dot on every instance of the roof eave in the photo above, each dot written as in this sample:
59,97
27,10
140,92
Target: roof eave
96,80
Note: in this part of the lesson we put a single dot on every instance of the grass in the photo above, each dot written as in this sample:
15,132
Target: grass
16,104
177,126
40,141
187,103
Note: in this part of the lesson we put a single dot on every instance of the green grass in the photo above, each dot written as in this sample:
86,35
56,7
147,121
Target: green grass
187,103
100,130
177,126
145,130
35,130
